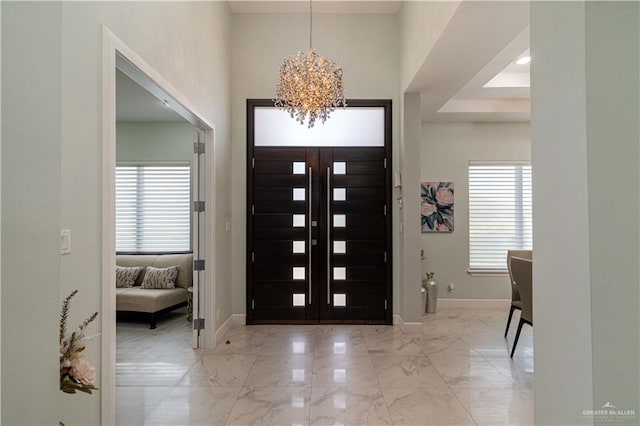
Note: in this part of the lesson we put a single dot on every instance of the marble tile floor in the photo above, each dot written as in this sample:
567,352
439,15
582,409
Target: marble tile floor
456,371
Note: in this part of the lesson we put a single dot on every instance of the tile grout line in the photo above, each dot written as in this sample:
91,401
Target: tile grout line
386,404
453,392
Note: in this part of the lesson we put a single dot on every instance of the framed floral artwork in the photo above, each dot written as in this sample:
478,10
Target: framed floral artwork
437,206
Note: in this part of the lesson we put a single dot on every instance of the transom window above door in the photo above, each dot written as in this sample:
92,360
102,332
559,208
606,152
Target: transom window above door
352,127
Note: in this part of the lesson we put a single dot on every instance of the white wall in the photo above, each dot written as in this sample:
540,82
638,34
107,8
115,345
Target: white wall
561,268
54,56
446,151
421,24
153,141
366,46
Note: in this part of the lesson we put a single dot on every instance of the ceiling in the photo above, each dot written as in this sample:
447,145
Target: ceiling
469,75
135,104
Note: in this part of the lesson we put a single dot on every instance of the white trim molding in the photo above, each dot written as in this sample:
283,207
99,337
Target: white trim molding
474,303
235,320
239,319
108,346
223,329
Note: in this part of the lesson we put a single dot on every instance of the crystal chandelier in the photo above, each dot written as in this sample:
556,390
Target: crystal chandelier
310,85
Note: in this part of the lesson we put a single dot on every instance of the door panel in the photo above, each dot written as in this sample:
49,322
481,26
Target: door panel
356,271
279,235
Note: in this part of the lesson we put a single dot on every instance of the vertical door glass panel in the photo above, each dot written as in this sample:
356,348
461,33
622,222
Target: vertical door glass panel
298,194
298,272
298,220
339,247
339,194
298,299
339,168
353,126
299,168
299,246
339,299
339,221
339,273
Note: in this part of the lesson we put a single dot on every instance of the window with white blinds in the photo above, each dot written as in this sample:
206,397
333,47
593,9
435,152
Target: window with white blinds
153,208
500,213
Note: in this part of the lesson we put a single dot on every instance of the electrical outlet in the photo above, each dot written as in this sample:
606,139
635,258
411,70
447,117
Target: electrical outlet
451,287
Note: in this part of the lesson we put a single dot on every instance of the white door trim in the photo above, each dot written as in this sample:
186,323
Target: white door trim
115,53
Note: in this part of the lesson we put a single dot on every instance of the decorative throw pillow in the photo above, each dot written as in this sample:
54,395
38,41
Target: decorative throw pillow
160,277
127,276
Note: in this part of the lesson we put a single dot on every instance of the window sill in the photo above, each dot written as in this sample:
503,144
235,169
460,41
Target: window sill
488,272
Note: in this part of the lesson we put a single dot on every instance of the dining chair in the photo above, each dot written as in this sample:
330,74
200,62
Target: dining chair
523,277
515,295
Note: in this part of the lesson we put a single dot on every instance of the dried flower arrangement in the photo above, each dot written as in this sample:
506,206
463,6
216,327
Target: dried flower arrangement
76,372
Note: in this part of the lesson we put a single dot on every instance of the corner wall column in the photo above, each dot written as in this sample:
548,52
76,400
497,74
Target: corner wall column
410,300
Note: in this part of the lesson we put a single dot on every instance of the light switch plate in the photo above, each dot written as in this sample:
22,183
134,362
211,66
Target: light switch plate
65,241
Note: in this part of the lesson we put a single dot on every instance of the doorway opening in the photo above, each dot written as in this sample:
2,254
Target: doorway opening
119,58
319,216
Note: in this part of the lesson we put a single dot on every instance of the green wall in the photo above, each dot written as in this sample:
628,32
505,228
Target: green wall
585,96
151,141
612,39
31,139
446,151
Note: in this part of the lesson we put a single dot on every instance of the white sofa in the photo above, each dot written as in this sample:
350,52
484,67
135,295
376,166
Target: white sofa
155,301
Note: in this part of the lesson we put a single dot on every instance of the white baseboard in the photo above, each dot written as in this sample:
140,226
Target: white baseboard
407,327
222,330
474,303
234,320
396,319
239,319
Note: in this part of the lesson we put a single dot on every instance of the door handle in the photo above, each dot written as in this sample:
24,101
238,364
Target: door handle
310,195
329,235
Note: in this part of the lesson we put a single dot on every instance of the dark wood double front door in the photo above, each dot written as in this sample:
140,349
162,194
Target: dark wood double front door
319,234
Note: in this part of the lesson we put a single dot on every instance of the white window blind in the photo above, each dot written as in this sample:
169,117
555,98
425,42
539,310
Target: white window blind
500,214
153,208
